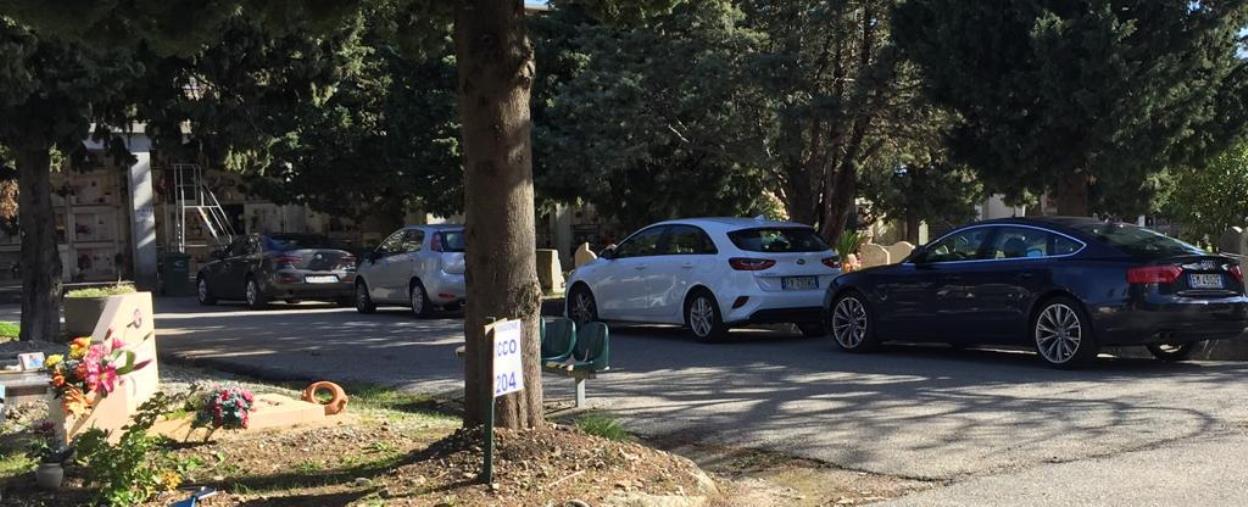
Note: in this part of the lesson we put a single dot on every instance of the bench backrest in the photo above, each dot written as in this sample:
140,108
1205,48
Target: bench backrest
592,345
558,337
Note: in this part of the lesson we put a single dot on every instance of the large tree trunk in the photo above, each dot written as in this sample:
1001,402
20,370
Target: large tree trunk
495,62
41,261
913,224
1072,195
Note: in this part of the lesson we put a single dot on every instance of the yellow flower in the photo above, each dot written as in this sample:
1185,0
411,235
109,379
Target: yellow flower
170,480
52,361
79,346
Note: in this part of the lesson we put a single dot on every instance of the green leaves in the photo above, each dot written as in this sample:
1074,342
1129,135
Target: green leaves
1117,91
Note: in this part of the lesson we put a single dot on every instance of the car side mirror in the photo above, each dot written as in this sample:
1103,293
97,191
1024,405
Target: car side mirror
607,253
374,255
218,254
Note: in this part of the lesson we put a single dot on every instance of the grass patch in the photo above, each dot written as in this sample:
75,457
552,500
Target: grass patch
602,425
9,330
99,292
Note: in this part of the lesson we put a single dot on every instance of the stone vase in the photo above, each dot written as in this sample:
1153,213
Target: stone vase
82,314
49,476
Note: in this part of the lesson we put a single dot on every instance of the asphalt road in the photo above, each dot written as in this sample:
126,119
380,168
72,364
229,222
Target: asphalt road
996,424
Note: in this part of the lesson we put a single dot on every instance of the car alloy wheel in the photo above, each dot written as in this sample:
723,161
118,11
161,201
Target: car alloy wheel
363,303
1059,333
701,317
254,298
420,304
205,294
849,323
583,307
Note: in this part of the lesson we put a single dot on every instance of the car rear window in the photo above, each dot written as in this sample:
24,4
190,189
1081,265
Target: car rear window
1138,241
452,241
778,239
287,243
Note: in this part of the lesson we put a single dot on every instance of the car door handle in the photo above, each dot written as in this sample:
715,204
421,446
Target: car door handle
1026,276
639,268
687,265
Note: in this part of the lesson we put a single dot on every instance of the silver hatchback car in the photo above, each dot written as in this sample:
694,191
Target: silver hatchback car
419,266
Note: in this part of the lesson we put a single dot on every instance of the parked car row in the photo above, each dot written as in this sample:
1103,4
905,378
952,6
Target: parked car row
1064,286
419,266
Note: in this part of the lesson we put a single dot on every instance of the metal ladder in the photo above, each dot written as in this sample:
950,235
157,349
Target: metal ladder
195,198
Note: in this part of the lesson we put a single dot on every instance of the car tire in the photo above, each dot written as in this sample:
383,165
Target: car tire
702,317
1062,334
1173,352
256,300
204,292
580,306
363,302
851,323
418,299
812,329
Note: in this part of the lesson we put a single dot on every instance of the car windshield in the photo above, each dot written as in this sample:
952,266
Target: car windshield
1138,241
452,241
283,243
778,239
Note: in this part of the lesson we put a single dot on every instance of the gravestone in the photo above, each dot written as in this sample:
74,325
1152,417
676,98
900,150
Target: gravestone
873,255
899,251
127,318
549,272
583,255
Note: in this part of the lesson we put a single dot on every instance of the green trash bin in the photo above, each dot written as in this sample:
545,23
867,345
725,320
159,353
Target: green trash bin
175,274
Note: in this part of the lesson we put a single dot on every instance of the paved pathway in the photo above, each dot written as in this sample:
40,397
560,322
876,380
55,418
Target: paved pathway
997,424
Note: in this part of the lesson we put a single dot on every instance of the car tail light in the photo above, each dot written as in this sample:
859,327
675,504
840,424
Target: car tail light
287,261
346,262
1153,274
747,264
832,262
436,243
1237,272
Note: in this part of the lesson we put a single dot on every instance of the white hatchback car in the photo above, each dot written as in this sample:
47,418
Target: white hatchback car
708,274
419,266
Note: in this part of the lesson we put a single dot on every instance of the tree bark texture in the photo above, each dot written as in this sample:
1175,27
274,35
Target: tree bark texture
40,259
495,65
1071,194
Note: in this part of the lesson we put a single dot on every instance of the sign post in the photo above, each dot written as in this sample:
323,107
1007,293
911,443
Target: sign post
508,374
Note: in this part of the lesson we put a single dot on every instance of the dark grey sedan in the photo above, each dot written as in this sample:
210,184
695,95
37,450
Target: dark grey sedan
261,268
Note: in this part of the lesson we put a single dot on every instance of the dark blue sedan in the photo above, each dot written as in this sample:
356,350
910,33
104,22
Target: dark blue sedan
1066,286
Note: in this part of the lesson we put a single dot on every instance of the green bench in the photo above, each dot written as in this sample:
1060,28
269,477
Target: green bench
571,352
579,353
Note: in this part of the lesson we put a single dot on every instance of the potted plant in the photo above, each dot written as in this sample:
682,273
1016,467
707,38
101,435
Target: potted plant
83,307
51,454
847,248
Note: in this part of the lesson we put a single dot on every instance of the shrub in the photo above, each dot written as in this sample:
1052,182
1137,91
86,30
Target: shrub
99,292
137,467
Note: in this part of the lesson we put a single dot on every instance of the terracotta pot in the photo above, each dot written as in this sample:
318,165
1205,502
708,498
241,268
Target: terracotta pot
49,476
82,314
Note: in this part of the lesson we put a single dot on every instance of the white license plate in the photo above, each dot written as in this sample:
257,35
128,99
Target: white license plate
321,279
1204,281
799,283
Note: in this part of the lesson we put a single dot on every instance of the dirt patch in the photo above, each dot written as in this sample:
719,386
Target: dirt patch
552,466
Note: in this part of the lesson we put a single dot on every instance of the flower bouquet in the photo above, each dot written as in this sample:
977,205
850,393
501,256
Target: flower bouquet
223,407
88,369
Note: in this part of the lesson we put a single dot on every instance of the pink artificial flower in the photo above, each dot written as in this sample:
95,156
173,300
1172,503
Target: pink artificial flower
96,353
116,344
92,378
108,378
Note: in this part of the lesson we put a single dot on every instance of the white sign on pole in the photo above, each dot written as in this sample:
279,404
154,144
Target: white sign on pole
508,365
